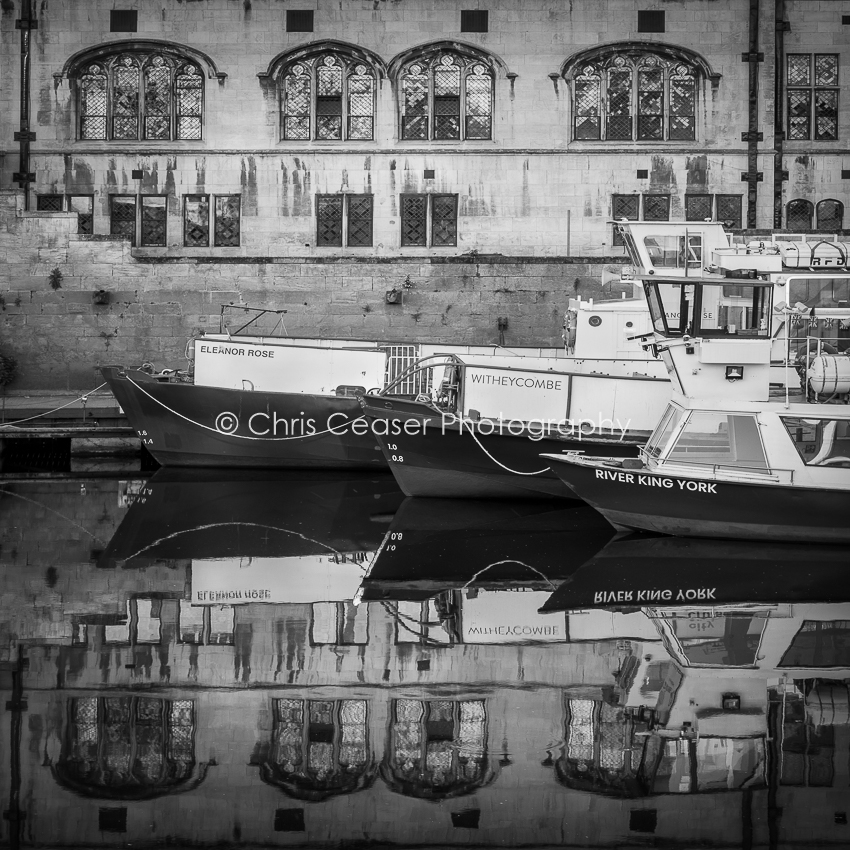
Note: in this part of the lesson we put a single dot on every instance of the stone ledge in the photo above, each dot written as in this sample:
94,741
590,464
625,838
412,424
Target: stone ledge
481,259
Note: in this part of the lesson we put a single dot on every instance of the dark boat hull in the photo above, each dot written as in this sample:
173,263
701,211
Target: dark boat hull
639,570
186,425
688,507
437,459
435,545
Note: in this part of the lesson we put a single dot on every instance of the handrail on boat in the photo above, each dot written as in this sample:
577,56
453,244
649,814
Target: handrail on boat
222,327
416,368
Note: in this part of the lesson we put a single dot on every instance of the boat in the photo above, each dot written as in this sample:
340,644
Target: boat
250,398
479,430
641,570
257,536
731,456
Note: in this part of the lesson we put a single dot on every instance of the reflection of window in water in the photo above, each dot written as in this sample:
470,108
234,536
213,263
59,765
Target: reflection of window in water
437,748
339,623
726,641
320,748
682,766
127,747
819,643
808,749
207,624
820,442
431,623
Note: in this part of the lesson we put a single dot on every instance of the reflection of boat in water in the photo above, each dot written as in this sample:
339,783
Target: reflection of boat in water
639,570
250,514
441,544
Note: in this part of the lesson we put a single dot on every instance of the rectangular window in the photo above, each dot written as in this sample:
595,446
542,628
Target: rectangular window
154,216
729,211
299,20
821,442
698,207
624,207
49,203
656,208
83,206
196,221
227,221
340,623
428,220
474,20
122,217
344,220
812,96
123,20
651,21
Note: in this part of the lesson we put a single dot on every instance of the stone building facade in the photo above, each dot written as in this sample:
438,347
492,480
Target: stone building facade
172,157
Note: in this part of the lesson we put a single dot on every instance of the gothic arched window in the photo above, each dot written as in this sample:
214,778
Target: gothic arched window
128,747
634,97
328,97
830,215
446,96
799,215
320,748
437,748
141,96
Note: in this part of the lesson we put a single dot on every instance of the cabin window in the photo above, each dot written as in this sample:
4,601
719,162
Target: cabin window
812,96
720,439
661,436
733,310
820,442
819,291
670,252
669,307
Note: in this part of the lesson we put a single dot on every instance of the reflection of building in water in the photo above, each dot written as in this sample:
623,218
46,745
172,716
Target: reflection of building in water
331,721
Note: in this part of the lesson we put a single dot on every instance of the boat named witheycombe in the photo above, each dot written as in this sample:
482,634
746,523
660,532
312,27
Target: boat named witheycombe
730,458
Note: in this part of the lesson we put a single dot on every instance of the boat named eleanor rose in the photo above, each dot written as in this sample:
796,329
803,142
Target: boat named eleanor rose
728,459
265,401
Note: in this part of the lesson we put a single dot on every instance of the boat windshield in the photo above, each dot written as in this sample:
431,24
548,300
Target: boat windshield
820,442
661,435
720,439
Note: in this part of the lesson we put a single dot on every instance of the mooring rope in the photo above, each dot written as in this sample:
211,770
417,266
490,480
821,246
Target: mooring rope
499,463
83,398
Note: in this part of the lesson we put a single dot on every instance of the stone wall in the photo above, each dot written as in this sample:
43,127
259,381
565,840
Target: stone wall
59,335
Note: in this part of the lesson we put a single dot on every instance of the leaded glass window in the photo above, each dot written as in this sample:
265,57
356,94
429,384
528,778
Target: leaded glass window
154,214
344,220
428,220
799,214
624,207
830,215
729,211
343,106
446,96
122,219
656,208
812,96
83,206
196,221
698,207
49,203
634,96
138,95
227,221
